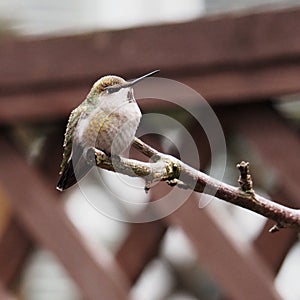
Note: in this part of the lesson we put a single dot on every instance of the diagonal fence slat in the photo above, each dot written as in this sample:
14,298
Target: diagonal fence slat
44,219
279,146
240,272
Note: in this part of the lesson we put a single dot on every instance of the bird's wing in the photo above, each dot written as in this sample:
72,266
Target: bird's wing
68,142
73,166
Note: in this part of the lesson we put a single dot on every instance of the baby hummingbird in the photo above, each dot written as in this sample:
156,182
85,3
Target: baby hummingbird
107,120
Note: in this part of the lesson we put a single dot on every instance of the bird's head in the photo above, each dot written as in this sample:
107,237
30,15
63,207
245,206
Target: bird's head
111,86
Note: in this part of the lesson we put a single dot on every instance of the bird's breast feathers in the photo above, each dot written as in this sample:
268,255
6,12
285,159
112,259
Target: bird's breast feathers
104,125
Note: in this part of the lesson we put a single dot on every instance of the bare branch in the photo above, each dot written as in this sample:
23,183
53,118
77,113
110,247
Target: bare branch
163,167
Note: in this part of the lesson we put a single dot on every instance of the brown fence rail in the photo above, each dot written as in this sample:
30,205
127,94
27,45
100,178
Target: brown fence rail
232,61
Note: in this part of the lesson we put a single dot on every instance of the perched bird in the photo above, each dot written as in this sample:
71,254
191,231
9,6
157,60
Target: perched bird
107,120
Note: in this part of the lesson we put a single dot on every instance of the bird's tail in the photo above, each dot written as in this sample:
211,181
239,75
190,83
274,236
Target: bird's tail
69,177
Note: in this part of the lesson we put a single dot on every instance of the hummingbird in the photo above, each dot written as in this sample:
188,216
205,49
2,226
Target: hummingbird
107,119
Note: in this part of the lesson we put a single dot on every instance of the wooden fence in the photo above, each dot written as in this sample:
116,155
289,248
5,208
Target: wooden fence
239,63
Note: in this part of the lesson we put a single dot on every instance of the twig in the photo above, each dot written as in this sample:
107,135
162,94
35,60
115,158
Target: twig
245,179
170,169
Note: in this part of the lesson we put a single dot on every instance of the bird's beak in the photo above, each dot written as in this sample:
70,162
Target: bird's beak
135,81
116,88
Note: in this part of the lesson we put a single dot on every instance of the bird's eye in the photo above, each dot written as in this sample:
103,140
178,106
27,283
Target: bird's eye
113,89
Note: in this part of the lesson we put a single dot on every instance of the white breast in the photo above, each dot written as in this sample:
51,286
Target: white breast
118,120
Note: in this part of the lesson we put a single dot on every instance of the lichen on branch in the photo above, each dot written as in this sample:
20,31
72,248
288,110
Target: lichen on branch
163,167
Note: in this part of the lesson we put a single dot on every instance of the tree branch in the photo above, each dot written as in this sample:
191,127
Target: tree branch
163,167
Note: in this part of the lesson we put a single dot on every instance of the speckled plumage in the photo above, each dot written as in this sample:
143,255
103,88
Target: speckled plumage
106,120
72,123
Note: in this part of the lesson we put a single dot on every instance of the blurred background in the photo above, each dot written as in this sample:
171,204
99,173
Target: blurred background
243,56
70,17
